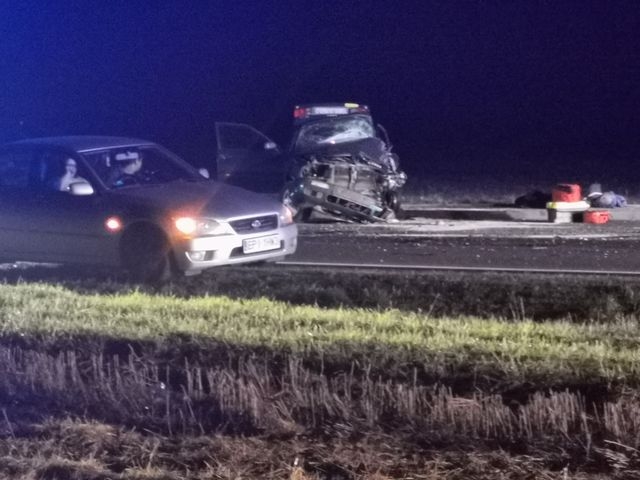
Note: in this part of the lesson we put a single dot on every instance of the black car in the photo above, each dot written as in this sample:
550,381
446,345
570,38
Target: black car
337,162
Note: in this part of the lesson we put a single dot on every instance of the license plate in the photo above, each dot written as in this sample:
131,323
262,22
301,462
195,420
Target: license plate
261,244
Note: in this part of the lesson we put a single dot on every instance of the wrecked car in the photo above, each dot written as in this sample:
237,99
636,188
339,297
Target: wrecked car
338,162
341,164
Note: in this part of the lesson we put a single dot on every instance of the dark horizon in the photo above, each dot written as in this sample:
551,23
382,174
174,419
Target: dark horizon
478,86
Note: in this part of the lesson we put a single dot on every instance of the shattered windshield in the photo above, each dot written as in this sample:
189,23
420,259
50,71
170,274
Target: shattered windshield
334,130
138,165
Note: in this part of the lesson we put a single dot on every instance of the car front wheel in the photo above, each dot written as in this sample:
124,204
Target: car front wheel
146,254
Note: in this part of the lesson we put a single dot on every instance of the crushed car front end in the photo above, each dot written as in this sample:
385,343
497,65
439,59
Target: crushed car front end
341,166
351,191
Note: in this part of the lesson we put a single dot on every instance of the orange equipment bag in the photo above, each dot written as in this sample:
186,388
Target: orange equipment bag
596,216
566,192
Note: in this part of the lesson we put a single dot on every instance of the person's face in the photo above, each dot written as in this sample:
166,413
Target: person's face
134,166
70,167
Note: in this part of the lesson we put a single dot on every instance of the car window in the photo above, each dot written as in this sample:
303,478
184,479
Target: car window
240,137
14,169
334,130
138,165
54,170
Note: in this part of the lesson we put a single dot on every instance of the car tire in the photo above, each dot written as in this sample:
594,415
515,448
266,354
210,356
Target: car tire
146,255
303,215
393,201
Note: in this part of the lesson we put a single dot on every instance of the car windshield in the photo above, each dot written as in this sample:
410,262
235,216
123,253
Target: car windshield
334,130
138,165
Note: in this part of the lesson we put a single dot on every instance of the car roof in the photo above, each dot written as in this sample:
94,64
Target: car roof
334,104
308,112
81,143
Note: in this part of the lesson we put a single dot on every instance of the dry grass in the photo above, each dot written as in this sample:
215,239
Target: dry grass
57,450
250,398
295,425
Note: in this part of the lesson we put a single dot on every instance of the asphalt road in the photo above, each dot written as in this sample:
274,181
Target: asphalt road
475,244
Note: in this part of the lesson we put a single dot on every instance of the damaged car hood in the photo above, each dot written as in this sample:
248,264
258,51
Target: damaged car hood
370,146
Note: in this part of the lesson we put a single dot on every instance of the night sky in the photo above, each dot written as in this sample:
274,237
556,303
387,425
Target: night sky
459,85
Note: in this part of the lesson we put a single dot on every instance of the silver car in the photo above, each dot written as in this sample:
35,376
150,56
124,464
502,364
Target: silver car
123,202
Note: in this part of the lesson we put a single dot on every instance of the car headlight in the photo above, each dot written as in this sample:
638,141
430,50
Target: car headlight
286,216
197,227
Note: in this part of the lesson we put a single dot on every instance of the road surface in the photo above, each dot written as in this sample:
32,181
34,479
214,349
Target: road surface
474,244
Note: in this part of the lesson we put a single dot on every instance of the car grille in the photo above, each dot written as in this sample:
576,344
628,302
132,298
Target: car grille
350,205
255,224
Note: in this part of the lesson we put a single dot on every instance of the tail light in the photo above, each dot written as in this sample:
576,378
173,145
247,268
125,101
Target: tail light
300,112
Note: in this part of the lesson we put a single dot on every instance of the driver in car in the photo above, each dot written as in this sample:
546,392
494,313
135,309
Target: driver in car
127,165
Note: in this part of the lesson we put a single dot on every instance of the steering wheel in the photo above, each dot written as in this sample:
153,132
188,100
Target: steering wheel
124,180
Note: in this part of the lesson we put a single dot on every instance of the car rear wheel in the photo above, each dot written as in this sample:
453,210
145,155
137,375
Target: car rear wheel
146,255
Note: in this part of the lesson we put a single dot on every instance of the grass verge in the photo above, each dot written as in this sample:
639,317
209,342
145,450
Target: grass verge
174,370
486,295
386,341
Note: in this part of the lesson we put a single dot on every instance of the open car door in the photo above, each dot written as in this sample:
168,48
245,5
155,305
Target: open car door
247,158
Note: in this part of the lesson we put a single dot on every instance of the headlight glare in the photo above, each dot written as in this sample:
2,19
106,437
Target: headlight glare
286,215
195,226
186,225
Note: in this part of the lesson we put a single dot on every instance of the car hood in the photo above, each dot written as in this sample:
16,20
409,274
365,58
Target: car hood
208,198
371,146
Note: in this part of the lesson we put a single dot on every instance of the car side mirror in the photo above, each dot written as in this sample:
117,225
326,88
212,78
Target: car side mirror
81,189
204,172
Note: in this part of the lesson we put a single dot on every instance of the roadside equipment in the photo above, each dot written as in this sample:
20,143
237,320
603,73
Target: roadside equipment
596,216
566,192
566,212
566,206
